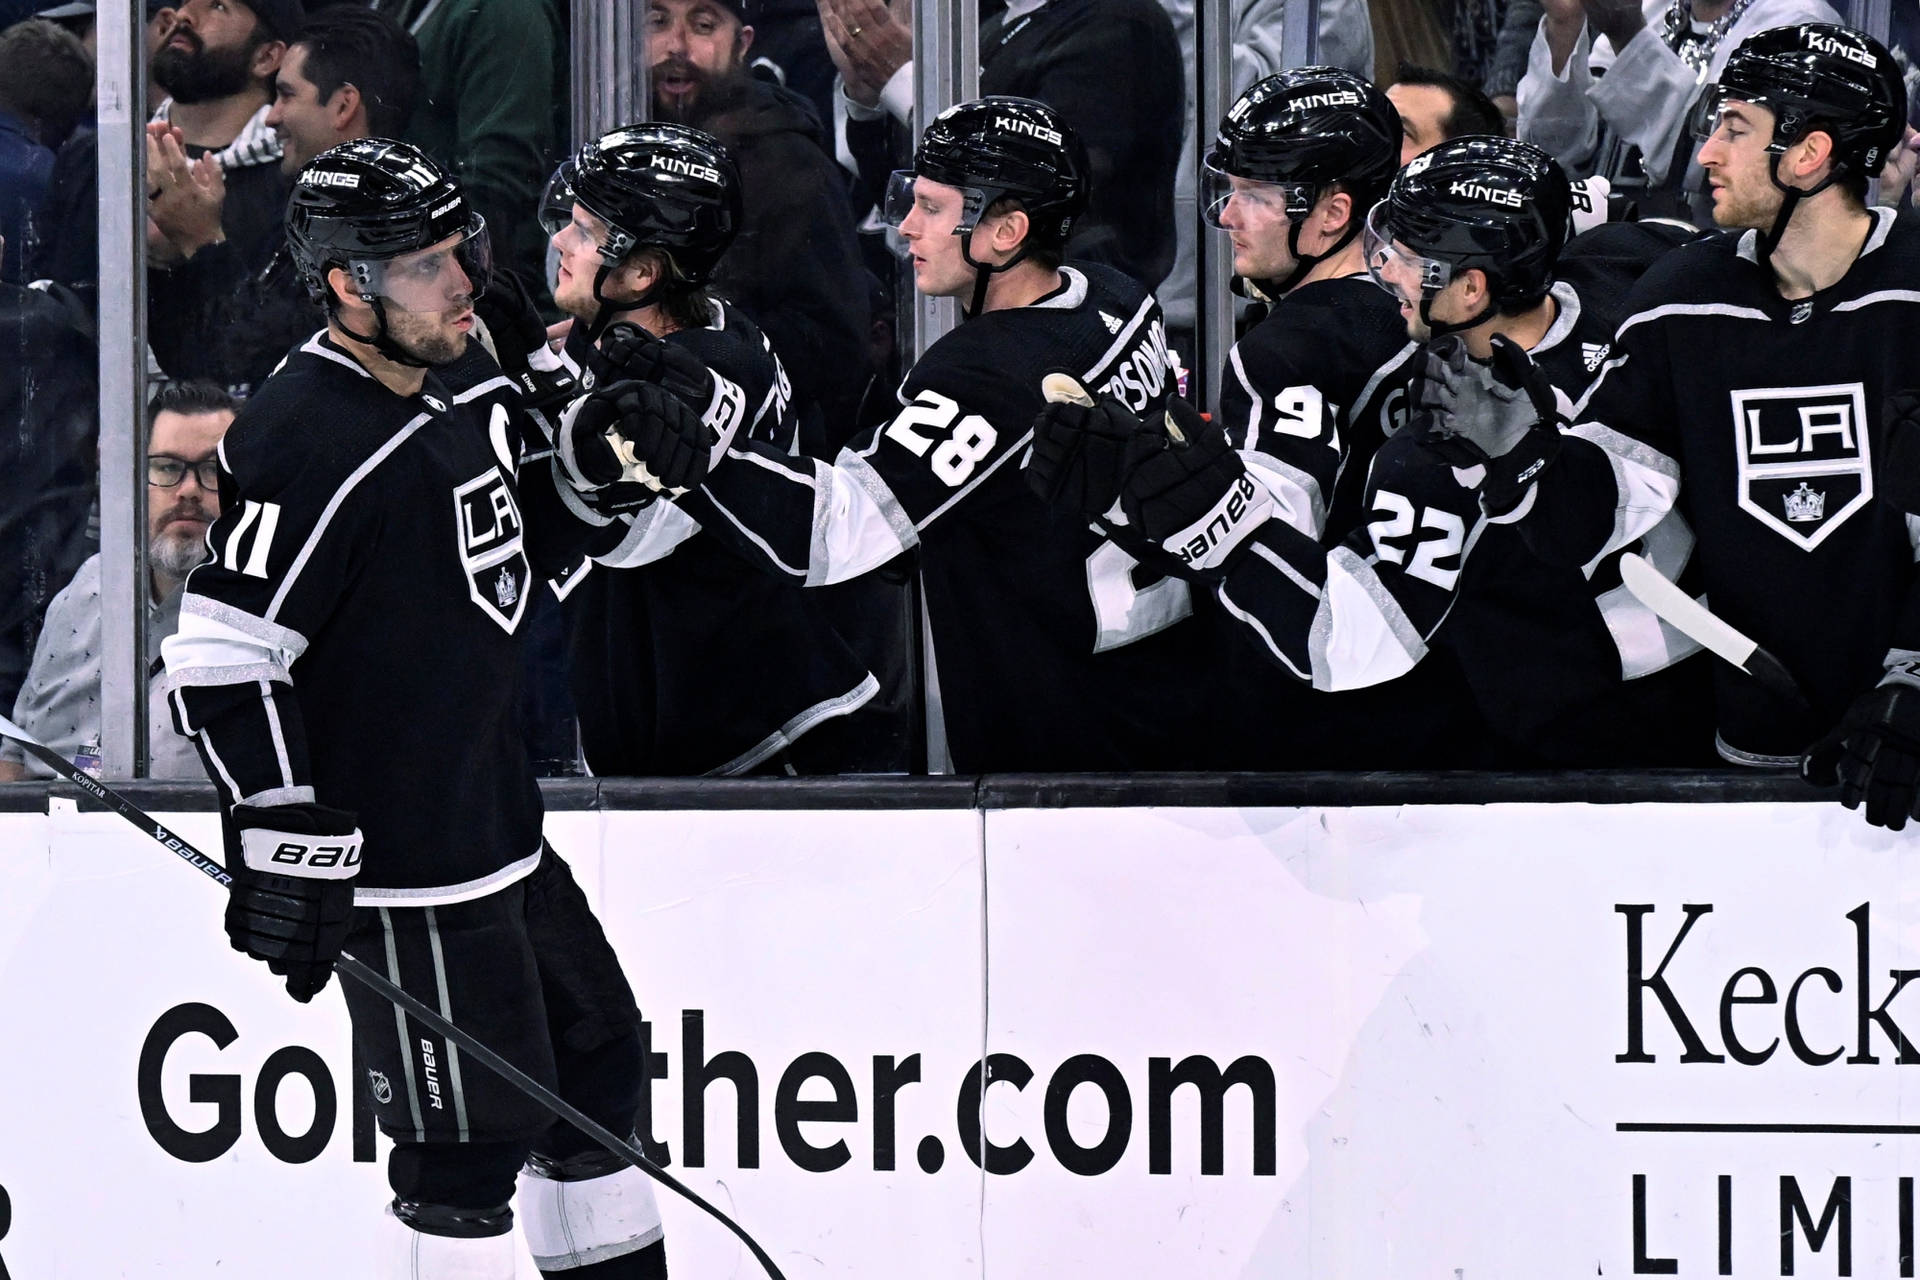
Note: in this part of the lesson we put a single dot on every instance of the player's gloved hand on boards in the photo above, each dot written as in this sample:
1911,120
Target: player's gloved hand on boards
628,353
634,432
1874,755
1083,452
1192,496
292,894
1499,416
547,378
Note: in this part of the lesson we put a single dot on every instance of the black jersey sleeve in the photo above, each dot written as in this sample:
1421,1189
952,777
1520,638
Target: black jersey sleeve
300,517
1280,400
960,424
1281,423
1363,612
957,443
1617,475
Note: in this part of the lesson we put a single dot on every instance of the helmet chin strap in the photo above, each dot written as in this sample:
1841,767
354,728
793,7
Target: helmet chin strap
983,272
1441,328
1789,200
380,340
609,307
1305,262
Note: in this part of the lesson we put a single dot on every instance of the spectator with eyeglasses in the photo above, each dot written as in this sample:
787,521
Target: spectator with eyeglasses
60,702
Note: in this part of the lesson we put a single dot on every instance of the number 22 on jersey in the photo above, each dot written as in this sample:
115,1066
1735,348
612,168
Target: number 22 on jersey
967,442
1399,522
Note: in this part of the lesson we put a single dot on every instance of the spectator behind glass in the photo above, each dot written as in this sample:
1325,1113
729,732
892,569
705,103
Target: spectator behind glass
46,81
1111,67
60,702
66,246
1655,60
795,267
213,172
1435,107
493,108
48,459
353,73
789,46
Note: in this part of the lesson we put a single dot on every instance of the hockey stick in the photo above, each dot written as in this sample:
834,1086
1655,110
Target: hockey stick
1693,619
1064,388
352,968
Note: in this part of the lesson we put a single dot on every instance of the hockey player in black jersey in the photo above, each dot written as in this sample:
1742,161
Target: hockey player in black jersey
1299,160
1311,391
357,620
1341,596
1050,649
1747,384
1563,662
684,659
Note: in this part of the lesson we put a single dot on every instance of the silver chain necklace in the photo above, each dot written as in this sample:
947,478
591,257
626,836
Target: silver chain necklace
1697,50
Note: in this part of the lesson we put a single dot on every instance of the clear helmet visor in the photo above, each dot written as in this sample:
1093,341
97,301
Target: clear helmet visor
556,202
937,202
574,226
441,277
1408,276
1717,108
1290,200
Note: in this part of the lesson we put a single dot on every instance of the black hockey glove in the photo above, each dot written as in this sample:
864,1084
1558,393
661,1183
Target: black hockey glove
1083,453
634,432
1192,496
1898,476
1874,755
628,353
1500,416
292,893
547,379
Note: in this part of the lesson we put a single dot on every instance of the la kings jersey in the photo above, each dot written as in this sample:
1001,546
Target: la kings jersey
1314,387
686,660
1764,415
1052,648
1308,396
1563,661
352,638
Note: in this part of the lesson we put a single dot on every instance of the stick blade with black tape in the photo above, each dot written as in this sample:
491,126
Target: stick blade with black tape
1691,618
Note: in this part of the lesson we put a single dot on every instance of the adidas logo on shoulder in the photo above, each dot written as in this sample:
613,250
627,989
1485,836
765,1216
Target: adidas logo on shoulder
1114,323
1592,353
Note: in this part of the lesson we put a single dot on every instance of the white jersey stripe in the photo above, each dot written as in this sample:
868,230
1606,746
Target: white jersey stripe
360,473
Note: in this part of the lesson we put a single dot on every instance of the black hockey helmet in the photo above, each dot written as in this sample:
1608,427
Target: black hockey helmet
1492,203
1816,75
998,148
365,203
1005,147
1309,127
656,186
368,201
1302,131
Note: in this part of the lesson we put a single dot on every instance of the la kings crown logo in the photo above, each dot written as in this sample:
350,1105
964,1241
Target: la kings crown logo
1806,463
489,528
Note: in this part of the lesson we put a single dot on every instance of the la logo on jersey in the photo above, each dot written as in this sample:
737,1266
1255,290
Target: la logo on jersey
1805,458
491,551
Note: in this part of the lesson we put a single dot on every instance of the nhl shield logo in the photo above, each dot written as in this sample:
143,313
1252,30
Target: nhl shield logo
382,1090
488,527
1806,463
